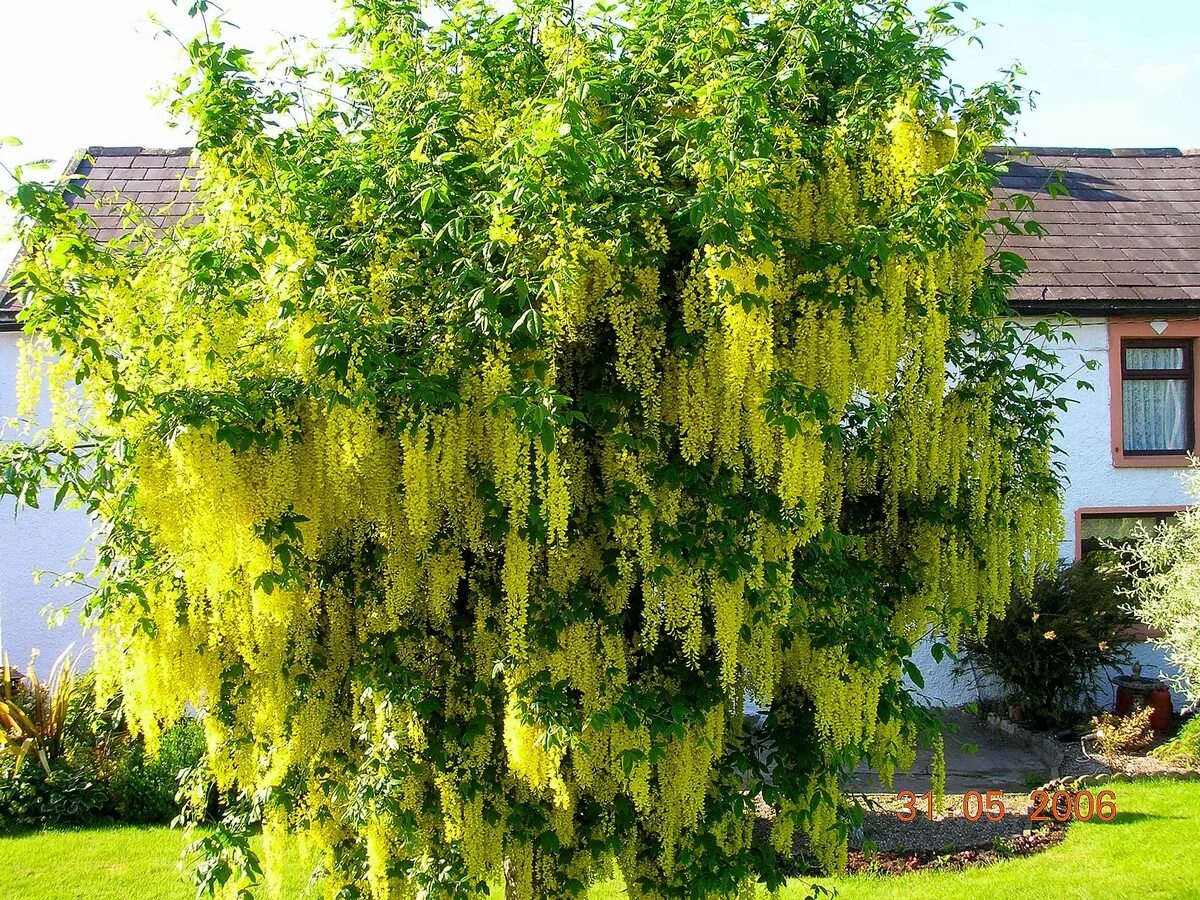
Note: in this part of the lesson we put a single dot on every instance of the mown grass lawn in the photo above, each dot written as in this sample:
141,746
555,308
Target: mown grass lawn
106,864
1149,851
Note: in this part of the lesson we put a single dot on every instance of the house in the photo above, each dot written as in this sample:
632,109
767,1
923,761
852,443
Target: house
1121,259
1121,256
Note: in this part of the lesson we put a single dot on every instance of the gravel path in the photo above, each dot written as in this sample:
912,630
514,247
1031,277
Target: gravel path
888,833
978,758
996,763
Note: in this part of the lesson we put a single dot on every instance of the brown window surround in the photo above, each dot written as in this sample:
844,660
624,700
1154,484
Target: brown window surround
1139,631
1140,333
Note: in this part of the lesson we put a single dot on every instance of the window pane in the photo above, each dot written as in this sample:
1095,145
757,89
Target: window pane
1115,528
1155,414
1153,358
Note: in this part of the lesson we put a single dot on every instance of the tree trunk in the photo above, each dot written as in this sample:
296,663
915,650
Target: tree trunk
510,879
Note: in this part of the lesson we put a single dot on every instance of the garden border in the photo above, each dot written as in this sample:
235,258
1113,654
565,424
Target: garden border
1079,782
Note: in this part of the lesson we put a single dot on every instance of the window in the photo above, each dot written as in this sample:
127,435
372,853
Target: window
1100,527
1097,529
1156,397
1154,406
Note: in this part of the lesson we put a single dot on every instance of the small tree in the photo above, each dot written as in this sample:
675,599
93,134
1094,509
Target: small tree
527,394
1165,569
1050,647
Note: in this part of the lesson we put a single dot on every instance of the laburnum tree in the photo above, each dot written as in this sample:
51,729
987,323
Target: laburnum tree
527,391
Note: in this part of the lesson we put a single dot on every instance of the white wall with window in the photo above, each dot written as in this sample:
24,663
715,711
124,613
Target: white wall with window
1119,478
1157,421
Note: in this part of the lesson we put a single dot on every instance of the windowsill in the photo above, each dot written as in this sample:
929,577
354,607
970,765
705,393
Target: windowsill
1151,460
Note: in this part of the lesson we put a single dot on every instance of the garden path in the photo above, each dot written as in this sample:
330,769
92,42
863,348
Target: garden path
1001,763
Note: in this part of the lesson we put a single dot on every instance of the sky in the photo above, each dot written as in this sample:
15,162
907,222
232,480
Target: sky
1109,73
75,73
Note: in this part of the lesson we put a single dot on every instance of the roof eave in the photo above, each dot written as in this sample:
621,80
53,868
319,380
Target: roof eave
1108,308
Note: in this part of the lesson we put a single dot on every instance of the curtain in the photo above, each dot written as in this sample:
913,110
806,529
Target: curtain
1153,358
1155,413
1116,528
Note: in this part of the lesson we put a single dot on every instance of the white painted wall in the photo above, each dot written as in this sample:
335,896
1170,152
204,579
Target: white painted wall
1093,481
942,687
35,539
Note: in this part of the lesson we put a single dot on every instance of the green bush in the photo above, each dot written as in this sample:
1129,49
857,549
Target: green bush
1165,568
142,786
100,772
1119,735
1051,647
65,797
1184,748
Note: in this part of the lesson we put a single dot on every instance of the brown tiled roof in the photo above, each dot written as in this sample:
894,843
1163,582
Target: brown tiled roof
161,183
1123,239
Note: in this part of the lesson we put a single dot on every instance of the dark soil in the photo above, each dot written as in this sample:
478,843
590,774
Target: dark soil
899,863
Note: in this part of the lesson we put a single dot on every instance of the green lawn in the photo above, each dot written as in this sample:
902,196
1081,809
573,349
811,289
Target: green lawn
1149,851
104,864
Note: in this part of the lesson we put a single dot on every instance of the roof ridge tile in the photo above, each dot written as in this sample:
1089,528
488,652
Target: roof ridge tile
138,150
1094,152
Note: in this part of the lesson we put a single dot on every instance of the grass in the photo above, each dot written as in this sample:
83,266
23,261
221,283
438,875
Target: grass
1149,851
106,864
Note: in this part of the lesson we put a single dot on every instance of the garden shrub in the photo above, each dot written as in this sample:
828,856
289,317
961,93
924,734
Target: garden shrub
141,785
1052,646
1118,735
1165,568
64,797
35,714
98,770
1184,748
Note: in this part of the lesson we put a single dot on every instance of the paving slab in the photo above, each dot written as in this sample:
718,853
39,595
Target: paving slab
1001,763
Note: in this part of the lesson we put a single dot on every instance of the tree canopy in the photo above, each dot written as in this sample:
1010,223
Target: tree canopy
526,392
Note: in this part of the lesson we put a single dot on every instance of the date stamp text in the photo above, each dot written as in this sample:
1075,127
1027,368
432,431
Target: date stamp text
1048,806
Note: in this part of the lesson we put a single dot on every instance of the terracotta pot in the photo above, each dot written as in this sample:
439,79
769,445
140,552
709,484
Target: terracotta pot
1159,701
1016,715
